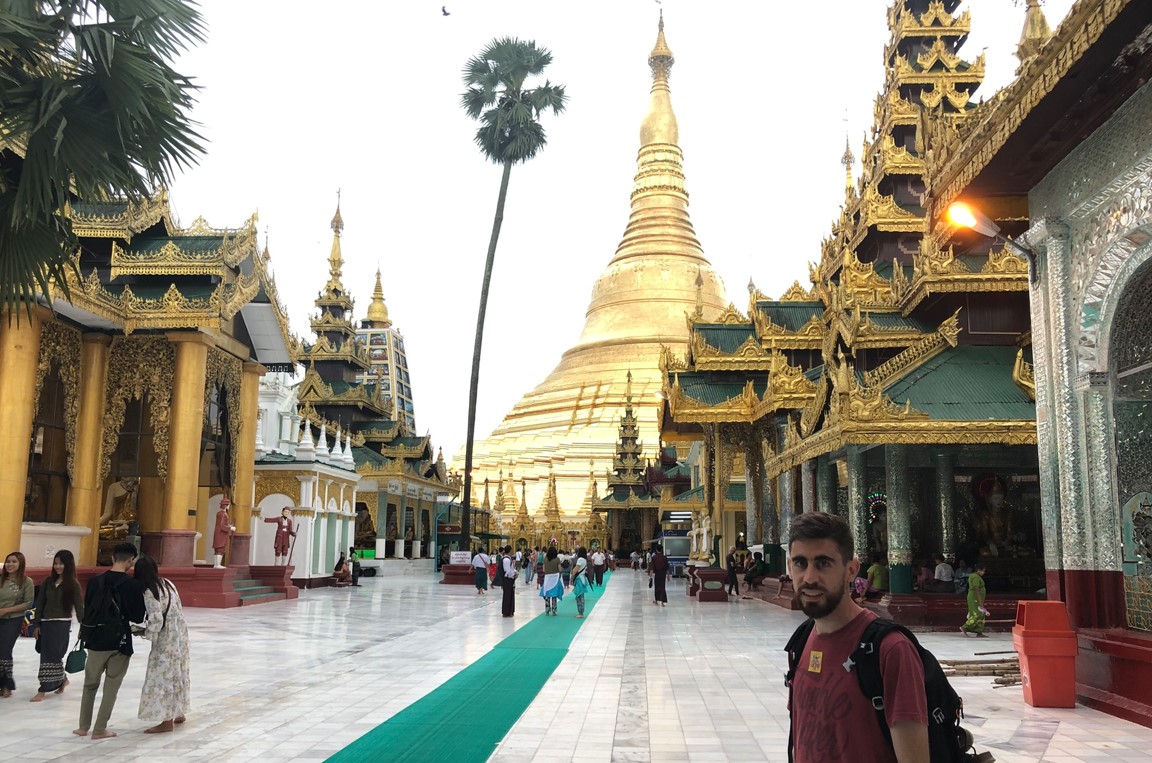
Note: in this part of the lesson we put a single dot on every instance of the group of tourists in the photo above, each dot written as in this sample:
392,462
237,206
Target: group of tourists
114,607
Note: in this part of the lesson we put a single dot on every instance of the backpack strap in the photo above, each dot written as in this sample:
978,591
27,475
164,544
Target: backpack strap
867,661
794,648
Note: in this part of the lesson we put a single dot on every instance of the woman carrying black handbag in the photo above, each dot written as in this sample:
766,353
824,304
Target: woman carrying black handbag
59,601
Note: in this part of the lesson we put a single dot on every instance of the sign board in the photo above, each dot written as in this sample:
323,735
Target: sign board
448,529
460,557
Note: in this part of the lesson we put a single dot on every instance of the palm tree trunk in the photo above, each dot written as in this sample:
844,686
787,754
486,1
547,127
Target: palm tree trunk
474,385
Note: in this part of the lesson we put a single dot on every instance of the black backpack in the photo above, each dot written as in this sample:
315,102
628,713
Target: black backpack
947,741
498,577
103,626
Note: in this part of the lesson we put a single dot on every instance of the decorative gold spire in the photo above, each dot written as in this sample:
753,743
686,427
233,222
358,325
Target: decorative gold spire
659,222
847,161
378,311
336,258
1036,32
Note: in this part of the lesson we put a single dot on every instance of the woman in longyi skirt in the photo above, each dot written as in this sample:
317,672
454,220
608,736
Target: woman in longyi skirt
552,591
60,600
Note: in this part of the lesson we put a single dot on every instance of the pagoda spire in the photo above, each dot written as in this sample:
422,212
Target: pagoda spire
1036,32
336,258
378,311
847,159
659,222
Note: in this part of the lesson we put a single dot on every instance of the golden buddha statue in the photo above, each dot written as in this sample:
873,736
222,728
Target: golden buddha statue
365,529
119,509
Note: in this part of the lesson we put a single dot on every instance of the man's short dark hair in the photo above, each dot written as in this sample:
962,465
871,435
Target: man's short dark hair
124,552
817,525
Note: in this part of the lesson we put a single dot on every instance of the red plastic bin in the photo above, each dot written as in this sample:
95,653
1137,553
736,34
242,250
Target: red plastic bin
1046,643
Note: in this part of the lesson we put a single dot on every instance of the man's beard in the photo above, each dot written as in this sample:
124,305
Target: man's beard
822,607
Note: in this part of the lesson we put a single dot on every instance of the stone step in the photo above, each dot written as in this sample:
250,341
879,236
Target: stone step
261,598
254,590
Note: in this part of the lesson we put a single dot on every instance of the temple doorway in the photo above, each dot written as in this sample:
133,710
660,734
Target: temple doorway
1130,358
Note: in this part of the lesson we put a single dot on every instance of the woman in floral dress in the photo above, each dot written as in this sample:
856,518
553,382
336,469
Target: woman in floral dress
167,685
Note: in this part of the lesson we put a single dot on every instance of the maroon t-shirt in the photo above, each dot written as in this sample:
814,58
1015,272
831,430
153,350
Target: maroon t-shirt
831,717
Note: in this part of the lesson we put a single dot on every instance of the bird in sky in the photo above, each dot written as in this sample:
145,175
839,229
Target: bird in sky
444,10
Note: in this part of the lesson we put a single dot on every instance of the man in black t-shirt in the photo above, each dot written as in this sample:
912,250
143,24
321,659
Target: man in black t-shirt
113,601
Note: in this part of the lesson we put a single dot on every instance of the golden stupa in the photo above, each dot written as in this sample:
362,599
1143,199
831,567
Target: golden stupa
568,426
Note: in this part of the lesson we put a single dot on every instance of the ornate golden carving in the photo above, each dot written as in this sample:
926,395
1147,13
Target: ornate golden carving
1023,375
350,351
313,389
861,285
278,482
730,316
1076,35
811,412
224,372
172,310
60,346
119,219
797,293
177,258
138,366
1003,261
916,355
883,213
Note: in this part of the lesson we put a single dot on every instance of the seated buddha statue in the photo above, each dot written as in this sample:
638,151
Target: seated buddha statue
119,509
365,529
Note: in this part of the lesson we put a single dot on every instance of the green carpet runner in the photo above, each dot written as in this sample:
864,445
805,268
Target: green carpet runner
466,717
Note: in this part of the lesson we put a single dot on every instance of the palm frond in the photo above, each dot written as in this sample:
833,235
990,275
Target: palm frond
88,91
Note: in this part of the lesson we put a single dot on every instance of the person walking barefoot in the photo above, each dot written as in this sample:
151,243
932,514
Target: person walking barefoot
167,685
580,584
59,601
17,592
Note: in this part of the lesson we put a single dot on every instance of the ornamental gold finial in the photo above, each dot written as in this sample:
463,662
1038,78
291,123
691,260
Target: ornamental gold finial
1036,32
847,159
628,390
336,258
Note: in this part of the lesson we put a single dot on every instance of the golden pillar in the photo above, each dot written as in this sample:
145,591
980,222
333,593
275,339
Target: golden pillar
84,497
19,358
174,545
243,491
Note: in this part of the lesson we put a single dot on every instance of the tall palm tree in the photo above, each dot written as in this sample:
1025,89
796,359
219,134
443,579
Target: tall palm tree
509,133
90,108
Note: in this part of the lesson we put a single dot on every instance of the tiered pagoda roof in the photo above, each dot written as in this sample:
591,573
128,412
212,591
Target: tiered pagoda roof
897,339
138,270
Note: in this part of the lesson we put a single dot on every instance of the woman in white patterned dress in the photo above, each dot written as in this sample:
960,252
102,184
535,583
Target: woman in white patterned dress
167,685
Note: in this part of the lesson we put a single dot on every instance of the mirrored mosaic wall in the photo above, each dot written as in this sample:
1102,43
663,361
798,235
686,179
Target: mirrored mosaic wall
1132,416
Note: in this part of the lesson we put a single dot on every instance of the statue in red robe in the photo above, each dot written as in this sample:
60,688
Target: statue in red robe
224,528
285,529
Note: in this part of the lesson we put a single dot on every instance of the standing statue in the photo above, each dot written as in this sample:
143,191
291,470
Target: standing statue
693,542
284,530
224,528
706,537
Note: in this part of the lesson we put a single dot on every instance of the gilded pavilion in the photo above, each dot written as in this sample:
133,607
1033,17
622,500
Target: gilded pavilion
135,391
330,449
894,389
956,393
658,274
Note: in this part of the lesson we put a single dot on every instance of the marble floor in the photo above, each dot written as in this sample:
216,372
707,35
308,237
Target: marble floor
296,681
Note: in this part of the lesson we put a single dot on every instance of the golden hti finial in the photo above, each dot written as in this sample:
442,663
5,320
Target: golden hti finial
628,389
661,58
1035,34
847,159
335,257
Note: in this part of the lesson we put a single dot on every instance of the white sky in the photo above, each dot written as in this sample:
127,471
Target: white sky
301,99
